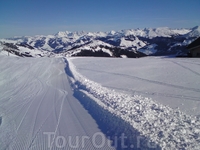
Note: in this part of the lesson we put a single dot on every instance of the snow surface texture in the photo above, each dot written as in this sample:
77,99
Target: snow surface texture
170,81
167,127
36,100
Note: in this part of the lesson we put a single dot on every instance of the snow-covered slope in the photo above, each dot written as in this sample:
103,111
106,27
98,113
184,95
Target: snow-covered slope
195,32
94,46
164,38
22,49
169,115
157,32
38,110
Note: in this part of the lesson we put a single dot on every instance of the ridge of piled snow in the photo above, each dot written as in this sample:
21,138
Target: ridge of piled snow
169,128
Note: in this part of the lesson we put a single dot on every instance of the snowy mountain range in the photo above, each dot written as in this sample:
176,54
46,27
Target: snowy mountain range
124,43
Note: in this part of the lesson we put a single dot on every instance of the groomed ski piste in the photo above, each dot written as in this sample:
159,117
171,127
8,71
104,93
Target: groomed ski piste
46,103
38,110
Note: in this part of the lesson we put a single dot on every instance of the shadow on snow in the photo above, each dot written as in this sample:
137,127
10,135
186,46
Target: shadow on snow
111,125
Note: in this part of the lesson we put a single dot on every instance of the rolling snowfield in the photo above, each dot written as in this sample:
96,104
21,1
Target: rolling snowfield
99,103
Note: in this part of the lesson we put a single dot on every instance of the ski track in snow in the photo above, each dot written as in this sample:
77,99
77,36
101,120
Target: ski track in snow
36,98
167,127
147,80
196,73
175,85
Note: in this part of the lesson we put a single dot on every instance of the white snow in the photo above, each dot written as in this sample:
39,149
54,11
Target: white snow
194,33
182,31
155,32
159,97
167,82
170,81
137,43
8,41
107,51
67,39
33,52
94,46
36,100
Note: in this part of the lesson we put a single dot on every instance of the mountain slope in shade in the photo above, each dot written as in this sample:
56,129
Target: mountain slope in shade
195,32
101,49
151,41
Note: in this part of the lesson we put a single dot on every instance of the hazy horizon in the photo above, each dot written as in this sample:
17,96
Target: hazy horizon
29,18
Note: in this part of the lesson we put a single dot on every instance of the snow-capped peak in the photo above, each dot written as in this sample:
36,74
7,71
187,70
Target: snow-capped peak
61,34
195,32
112,32
163,39
70,34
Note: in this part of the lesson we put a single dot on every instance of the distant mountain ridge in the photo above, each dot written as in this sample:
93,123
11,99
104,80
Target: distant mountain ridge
150,41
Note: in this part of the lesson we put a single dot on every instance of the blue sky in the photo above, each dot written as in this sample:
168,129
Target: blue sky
35,17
